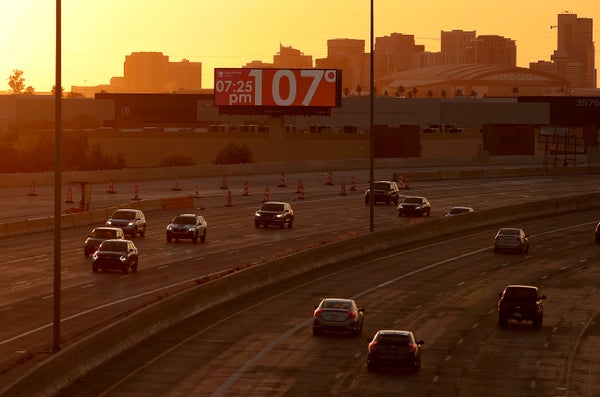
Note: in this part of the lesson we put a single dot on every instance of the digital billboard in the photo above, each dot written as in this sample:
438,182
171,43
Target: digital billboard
277,88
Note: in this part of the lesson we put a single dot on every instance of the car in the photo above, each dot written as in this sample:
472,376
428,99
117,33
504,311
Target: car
131,221
521,303
597,233
116,255
274,213
338,314
390,347
187,226
414,206
511,239
459,210
98,235
383,191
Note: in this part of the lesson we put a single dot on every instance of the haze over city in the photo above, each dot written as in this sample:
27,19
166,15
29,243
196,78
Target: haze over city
98,35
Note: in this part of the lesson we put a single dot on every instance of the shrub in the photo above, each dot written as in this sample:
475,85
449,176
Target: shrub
234,154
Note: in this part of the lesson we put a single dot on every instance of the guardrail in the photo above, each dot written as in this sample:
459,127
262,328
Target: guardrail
66,366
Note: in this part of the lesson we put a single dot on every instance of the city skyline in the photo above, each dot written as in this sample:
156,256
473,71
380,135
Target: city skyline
238,32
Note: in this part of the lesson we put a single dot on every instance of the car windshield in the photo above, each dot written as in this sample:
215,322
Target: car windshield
458,210
119,246
336,304
509,232
128,215
381,186
393,339
413,200
184,220
104,233
520,294
273,207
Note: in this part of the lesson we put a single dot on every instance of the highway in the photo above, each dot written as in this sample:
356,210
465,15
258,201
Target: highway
90,301
446,291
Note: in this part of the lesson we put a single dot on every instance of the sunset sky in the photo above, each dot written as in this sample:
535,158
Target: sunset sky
97,35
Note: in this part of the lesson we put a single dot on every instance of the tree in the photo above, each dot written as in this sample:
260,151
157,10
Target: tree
515,90
444,94
429,94
16,82
358,89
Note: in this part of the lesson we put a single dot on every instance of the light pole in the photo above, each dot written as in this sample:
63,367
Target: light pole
57,180
372,131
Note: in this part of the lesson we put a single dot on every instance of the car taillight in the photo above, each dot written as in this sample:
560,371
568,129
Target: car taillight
318,313
412,347
351,314
372,346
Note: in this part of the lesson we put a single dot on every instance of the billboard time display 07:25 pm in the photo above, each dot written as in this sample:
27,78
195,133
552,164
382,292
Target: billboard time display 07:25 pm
277,87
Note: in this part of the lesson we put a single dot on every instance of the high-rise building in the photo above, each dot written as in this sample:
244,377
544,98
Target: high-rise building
348,55
394,53
575,49
454,45
288,57
492,49
152,72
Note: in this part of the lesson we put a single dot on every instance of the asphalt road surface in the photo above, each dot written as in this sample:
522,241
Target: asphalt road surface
90,300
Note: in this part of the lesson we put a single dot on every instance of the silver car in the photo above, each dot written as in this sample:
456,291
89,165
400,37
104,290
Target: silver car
338,314
511,239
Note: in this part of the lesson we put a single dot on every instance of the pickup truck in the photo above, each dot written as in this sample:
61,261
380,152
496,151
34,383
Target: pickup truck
521,303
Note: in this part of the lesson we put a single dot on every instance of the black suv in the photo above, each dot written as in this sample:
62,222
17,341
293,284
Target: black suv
521,303
414,206
597,234
383,191
187,226
116,255
131,221
274,213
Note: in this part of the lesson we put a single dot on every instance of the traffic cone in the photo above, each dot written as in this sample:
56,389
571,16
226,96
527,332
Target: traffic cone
197,191
229,199
32,191
301,191
176,186
111,187
353,184
343,189
266,198
329,179
282,180
136,193
69,198
224,183
246,189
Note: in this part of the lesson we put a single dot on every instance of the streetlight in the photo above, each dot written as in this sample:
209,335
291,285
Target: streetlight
57,181
372,131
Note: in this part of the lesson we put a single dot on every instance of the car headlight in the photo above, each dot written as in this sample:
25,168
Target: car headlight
257,214
418,207
94,256
279,215
192,229
109,222
123,258
169,227
130,224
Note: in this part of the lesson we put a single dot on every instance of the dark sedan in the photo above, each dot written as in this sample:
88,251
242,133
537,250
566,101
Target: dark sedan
116,255
414,206
511,239
394,348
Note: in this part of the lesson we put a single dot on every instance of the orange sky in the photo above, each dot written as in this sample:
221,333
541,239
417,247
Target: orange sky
97,35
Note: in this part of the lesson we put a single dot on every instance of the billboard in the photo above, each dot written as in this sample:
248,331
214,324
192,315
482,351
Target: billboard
277,88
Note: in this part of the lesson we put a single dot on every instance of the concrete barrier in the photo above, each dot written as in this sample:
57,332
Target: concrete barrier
66,366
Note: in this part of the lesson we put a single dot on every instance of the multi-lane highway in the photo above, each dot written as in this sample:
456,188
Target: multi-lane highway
264,344
446,291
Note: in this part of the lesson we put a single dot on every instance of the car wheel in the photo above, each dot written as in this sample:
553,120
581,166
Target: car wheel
125,268
371,366
168,238
95,268
502,320
496,250
134,267
526,249
538,320
195,238
416,366
316,331
290,224
256,225
366,200
203,237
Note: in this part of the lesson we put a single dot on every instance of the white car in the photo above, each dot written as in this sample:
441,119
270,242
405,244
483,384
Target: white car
459,210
